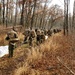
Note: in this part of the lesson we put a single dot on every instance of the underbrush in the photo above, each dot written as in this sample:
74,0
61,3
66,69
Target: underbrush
42,59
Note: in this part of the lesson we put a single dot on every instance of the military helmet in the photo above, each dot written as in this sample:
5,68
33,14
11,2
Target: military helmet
42,32
38,32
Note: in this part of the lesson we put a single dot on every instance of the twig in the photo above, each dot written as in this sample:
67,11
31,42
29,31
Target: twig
65,65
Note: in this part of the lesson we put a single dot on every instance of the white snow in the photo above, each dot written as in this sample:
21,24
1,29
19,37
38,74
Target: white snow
46,37
3,50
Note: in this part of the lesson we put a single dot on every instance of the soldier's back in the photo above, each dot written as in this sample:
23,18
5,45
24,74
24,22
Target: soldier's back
13,36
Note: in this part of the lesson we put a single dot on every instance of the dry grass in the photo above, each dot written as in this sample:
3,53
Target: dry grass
2,40
41,60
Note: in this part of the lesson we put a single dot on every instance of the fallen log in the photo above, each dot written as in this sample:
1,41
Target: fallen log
9,28
60,60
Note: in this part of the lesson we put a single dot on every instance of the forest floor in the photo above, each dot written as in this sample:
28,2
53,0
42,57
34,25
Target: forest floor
56,56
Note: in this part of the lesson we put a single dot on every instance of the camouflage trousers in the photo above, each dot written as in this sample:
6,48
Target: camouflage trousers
11,49
31,41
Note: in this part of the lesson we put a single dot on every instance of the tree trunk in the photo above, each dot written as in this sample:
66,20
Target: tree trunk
32,19
16,13
3,12
7,14
66,12
22,14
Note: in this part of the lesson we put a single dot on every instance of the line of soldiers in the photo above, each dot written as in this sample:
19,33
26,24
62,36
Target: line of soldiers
31,36
37,35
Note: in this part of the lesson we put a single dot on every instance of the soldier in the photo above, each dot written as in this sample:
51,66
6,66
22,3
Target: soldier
42,36
12,38
36,30
58,30
49,33
38,38
32,37
55,31
45,31
26,36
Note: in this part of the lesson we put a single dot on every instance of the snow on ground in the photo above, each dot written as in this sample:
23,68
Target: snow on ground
46,37
3,50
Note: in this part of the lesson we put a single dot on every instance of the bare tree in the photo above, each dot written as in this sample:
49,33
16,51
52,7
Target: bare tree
16,10
22,13
3,11
66,15
73,19
32,19
0,12
7,13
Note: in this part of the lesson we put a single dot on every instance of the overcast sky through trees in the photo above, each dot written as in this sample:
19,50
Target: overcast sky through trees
61,3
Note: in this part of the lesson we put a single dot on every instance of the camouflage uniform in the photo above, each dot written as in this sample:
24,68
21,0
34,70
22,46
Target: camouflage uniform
38,38
45,31
42,36
36,30
11,48
32,37
55,31
12,38
49,33
26,34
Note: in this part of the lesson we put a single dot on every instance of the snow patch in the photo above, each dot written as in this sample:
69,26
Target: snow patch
3,50
46,37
